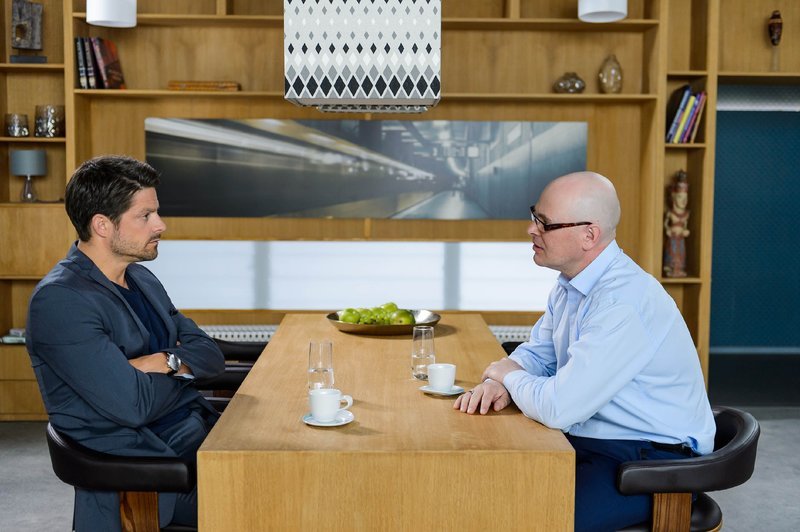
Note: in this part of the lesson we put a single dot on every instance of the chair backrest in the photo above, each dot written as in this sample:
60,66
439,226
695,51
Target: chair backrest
86,468
735,445
243,351
730,464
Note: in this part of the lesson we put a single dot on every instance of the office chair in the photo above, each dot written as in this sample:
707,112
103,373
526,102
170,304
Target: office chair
672,482
137,478
239,359
509,347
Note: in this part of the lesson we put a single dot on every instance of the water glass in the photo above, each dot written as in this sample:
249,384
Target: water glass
320,364
422,352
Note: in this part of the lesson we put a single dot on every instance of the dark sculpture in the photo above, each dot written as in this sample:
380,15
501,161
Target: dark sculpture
775,27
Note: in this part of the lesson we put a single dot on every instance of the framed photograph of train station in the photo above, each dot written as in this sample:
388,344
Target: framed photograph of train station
399,169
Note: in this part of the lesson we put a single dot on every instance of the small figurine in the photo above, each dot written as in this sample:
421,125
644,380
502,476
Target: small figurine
775,27
676,227
570,83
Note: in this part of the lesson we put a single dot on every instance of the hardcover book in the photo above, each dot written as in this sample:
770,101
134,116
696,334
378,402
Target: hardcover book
108,63
80,64
92,74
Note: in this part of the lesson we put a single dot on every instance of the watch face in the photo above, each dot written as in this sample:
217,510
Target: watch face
173,362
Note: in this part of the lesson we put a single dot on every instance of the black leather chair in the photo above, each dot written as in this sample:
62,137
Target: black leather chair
137,478
509,347
672,482
239,359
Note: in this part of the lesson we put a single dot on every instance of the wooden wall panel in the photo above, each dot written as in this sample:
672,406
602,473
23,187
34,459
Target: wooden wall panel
744,44
37,239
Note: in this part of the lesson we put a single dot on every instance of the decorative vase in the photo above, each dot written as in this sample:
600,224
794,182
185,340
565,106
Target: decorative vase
570,83
610,75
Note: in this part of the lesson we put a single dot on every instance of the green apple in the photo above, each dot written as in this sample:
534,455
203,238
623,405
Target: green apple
402,317
367,317
389,307
349,315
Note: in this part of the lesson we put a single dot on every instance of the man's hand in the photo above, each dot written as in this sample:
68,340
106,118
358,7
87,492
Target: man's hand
488,394
498,370
154,363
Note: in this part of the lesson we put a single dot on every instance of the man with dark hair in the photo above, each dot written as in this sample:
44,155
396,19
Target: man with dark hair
113,357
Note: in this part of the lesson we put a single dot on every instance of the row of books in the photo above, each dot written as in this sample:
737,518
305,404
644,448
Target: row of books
98,64
684,111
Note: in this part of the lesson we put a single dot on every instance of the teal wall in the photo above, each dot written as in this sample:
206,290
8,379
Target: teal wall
755,288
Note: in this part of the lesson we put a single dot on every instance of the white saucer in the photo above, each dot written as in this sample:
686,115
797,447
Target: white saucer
455,390
343,417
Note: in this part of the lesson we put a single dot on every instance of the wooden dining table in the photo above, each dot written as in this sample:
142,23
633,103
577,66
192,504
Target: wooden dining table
408,460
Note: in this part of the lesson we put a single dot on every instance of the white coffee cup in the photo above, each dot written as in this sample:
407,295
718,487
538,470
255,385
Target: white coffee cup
325,403
441,377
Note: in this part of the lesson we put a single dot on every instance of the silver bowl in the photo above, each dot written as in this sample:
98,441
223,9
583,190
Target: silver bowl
421,317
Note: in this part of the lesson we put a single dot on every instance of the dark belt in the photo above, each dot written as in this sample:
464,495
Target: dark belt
679,448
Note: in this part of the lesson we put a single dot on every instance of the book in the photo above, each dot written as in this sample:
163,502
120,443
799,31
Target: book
8,339
108,63
699,116
684,117
691,123
92,75
675,106
80,64
195,85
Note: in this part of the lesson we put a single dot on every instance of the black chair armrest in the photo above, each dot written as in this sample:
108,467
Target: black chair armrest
88,469
230,379
730,465
244,351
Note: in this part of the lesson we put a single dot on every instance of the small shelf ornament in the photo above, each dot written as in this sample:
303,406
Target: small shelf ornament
676,226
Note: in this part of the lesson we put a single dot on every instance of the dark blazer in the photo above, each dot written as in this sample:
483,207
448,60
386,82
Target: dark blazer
80,334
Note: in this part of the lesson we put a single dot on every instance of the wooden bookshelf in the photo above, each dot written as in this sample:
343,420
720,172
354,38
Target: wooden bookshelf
661,45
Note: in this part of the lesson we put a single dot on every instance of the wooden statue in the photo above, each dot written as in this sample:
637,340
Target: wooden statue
676,227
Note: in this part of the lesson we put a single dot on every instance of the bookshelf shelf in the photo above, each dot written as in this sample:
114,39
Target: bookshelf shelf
504,24
34,140
760,78
686,146
686,74
39,68
681,280
522,97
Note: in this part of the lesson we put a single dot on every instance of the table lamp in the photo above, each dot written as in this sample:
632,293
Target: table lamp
28,163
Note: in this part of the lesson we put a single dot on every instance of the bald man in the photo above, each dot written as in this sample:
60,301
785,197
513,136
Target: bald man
611,362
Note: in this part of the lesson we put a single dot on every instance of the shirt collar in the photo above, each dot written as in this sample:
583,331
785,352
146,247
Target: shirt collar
588,277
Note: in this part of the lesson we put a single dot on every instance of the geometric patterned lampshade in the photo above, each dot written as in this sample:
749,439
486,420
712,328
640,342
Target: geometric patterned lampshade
363,55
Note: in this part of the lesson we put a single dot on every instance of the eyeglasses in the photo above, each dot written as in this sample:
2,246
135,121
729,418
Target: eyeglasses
543,227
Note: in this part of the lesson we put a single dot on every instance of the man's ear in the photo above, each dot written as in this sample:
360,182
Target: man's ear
592,236
101,225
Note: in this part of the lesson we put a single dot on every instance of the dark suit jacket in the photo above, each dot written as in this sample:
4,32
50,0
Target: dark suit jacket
80,334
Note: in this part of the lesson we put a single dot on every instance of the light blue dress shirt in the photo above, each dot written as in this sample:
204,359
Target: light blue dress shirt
612,358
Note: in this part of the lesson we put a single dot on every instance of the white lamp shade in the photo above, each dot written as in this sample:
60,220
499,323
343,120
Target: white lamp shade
27,162
602,10
111,13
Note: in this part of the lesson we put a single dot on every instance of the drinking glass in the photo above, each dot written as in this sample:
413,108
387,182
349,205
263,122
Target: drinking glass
422,352
320,365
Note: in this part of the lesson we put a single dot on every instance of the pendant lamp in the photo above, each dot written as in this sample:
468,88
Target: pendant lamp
354,55
602,10
111,13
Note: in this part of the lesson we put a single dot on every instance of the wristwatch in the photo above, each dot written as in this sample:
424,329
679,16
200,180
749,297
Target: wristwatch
174,362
